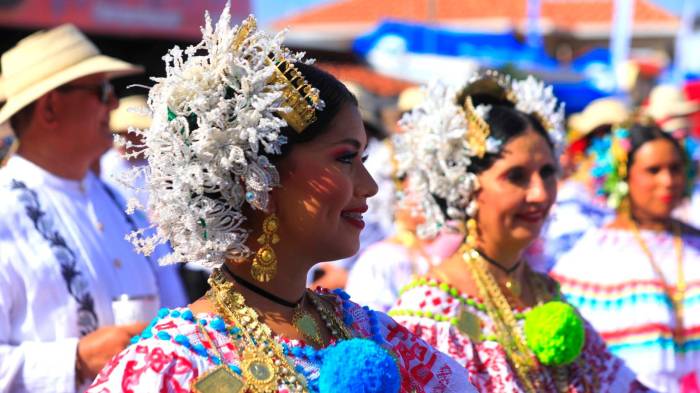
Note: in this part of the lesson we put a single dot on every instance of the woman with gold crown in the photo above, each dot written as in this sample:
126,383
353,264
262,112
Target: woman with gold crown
485,156
637,279
255,169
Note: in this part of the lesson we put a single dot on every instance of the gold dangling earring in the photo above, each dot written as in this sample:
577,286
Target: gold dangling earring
625,208
264,265
470,239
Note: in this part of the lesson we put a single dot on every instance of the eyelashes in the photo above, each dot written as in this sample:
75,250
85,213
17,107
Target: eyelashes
348,158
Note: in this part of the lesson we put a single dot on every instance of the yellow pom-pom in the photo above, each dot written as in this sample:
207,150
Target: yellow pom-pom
555,333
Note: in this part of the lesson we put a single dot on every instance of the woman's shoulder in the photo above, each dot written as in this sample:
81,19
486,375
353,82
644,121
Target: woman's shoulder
426,297
168,354
594,251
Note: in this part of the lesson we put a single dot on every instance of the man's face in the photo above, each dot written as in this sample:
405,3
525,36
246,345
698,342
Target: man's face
83,108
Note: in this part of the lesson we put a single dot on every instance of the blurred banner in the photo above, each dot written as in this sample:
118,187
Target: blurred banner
172,19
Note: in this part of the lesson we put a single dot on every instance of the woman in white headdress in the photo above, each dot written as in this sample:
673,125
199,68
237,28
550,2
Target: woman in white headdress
255,169
484,157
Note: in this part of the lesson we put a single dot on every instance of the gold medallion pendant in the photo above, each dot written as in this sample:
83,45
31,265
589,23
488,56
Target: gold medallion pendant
469,324
258,371
305,324
220,379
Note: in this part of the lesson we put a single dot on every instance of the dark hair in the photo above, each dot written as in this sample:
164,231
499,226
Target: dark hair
334,95
640,134
504,121
21,120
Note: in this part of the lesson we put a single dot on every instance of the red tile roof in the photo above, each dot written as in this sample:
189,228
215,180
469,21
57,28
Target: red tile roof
564,14
378,84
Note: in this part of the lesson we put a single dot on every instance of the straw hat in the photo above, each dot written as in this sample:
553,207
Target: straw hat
410,98
600,112
48,59
127,115
668,106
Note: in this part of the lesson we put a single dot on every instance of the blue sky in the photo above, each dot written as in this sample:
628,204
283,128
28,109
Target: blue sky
269,10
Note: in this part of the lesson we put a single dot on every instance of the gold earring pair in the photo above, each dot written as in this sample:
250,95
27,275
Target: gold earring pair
264,265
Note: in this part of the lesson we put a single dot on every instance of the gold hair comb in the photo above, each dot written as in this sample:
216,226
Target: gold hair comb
298,94
478,130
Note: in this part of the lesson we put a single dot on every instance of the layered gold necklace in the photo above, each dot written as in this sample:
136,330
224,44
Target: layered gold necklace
263,363
676,296
531,374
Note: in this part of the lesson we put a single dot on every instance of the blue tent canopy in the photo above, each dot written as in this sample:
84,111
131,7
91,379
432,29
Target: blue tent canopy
494,50
491,49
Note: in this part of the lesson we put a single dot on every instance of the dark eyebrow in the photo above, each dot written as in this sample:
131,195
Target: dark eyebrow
350,141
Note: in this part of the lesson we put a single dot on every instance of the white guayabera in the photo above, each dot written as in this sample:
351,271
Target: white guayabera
214,119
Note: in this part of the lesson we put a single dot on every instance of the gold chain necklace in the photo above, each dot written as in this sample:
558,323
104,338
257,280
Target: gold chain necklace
263,363
302,320
531,374
678,295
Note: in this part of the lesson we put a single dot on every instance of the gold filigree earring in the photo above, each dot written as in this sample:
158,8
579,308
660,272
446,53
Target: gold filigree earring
264,265
470,239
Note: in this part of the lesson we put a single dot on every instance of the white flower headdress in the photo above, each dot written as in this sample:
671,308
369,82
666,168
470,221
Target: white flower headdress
441,138
215,115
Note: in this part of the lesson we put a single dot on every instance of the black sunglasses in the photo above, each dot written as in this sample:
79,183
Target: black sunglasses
103,90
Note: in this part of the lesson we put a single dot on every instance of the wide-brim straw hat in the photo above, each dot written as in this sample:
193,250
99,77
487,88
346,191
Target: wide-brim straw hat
48,59
410,98
668,101
128,114
600,112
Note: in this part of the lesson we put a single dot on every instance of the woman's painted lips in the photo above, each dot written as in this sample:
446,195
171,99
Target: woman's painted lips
354,216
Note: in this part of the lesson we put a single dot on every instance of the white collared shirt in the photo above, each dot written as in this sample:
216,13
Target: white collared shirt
63,258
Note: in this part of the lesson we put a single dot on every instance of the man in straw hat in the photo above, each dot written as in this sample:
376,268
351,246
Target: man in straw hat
670,109
70,284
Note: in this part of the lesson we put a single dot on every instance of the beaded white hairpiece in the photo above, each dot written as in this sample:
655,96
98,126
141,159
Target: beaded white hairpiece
220,106
442,137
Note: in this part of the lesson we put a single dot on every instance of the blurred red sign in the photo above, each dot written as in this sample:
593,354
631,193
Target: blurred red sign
174,19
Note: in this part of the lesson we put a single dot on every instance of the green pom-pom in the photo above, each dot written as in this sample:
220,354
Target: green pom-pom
554,332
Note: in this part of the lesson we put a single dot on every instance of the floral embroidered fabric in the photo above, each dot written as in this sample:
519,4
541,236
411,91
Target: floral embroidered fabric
432,311
172,352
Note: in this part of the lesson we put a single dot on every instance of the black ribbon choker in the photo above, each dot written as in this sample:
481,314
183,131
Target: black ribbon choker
267,295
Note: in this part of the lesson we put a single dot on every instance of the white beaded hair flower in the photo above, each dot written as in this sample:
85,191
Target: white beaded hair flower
215,115
441,137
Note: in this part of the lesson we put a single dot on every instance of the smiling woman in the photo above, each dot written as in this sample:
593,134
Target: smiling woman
482,162
637,279
255,169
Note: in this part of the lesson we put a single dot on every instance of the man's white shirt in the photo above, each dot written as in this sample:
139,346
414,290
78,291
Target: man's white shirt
63,258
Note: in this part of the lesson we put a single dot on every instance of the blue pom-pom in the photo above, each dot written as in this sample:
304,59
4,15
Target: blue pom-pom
163,335
218,324
163,312
358,366
187,315
343,295
200,349
235,369
183,340
147,333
